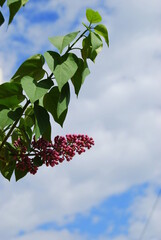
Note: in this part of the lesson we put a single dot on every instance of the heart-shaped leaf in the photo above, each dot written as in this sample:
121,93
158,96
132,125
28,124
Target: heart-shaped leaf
63,67
7,169
96,42
4,119
42,120
31,67
64,100
80,75
11,94
19,174
60,42
102,30
35,90
92,45
14,7
50,103
93,16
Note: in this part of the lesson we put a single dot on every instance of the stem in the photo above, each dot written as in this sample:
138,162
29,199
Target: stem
76,48
6,128
70,48
14,125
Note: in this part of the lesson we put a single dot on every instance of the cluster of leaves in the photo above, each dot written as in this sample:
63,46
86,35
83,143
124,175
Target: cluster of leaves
32,96
14,6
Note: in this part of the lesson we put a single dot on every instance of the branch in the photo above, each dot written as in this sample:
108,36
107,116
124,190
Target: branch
14,125
70,48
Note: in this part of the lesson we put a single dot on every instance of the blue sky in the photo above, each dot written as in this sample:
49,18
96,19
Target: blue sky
107,193
112,214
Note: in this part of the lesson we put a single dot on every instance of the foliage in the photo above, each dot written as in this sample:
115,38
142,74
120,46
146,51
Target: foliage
33,95
14,6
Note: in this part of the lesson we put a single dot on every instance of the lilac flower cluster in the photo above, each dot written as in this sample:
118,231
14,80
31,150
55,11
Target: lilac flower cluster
23,161
48,153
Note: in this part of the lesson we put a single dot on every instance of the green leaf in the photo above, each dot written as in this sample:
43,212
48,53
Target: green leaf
80,75
2,135
93,16
47,134
91,47
37,161
31,67
7,163
16,114
64,100
51,58
42,120
96,42
24,129
11,94
15,135
29,111
29,119
4,154
63,67
60,42
10,149
1,19
48,83
62,118
25,133
24,2
28,135
19,174
86,50
2,107
2,2
50,103
9,2
7,117
4,119
102,30
7,169
35,90
14,7
29,122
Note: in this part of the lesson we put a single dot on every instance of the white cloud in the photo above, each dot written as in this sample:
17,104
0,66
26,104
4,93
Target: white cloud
141,212
50,235
144,223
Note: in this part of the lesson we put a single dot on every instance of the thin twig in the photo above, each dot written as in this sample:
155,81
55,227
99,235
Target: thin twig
13,126
70,48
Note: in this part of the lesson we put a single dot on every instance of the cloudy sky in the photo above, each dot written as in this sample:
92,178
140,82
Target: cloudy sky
109,192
